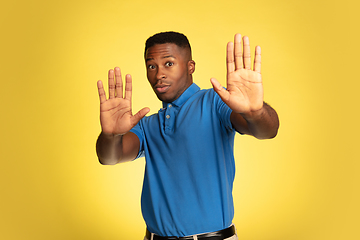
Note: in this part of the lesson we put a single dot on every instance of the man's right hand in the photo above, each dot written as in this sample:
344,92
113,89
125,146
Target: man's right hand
116,116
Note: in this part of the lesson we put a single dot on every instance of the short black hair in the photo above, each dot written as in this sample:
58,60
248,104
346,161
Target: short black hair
168,37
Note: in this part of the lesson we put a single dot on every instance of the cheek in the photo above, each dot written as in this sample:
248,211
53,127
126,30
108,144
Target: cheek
150,77
181,76
179,73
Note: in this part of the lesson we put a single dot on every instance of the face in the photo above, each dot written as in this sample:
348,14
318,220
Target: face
169,70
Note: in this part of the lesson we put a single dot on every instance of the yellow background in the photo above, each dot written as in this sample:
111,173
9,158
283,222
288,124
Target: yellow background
304,184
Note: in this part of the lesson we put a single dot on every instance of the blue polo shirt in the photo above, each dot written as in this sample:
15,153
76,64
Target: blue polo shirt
190,168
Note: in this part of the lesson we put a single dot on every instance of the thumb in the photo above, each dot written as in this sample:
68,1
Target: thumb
223,93
140,114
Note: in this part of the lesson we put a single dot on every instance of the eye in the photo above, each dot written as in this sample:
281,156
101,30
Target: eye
169,64
151,67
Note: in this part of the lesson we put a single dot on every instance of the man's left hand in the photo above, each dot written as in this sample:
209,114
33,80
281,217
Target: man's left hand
244,91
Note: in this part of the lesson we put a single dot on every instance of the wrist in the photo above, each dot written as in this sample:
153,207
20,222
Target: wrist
110,135
254,115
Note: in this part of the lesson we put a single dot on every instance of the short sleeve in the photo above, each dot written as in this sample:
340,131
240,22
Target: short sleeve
140,134
223,112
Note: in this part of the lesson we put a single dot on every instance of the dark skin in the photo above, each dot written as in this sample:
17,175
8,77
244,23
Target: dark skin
244,92
169,72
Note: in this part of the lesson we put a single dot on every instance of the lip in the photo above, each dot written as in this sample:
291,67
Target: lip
162,88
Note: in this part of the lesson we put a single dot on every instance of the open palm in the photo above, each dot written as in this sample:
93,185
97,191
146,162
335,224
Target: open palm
244,91
116,112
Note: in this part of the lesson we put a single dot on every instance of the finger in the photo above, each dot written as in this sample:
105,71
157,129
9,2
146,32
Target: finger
111,84
230,64
223,93
238,52
140,114
247,55
101,91
128,87
257,59
118,83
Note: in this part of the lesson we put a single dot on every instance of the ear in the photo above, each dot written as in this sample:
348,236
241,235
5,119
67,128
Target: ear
191,66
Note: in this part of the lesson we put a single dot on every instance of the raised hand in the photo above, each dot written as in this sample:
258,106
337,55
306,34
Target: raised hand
115,112
244,91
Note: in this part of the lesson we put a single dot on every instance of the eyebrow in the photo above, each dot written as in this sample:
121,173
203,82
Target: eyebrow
167,56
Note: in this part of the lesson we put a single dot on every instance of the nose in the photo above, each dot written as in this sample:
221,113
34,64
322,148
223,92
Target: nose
160,74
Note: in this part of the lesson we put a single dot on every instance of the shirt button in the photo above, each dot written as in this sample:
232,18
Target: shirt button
167,116
170,105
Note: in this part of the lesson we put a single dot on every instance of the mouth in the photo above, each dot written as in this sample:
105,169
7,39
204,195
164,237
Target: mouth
162,88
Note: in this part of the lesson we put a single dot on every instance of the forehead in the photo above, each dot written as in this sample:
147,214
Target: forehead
164,50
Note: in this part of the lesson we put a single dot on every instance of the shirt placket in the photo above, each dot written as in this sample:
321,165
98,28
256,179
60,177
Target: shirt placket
169,118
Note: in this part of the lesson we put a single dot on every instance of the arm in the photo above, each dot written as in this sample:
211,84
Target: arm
112,149
262,124
244,92
115,143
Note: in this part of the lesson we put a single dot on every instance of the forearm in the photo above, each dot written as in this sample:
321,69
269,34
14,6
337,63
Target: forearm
262,124
109,148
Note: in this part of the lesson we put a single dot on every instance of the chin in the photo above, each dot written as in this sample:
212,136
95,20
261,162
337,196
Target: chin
164,98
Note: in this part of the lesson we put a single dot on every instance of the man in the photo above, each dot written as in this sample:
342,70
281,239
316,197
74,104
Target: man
188,144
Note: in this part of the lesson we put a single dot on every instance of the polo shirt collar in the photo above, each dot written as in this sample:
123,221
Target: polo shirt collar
191,90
